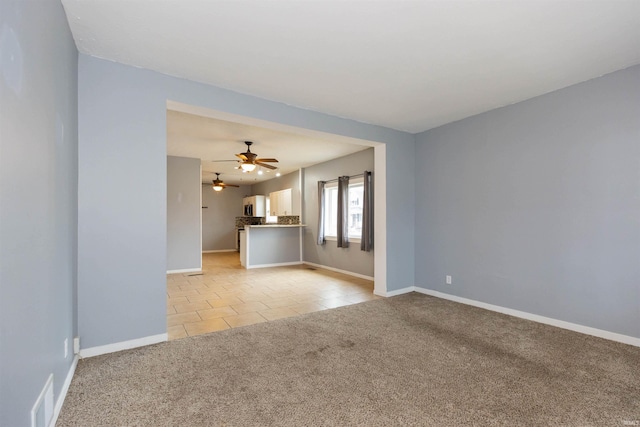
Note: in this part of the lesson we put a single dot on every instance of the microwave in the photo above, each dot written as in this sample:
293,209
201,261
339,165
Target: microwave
248,210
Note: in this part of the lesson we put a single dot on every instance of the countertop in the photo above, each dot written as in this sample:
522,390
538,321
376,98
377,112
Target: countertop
275,226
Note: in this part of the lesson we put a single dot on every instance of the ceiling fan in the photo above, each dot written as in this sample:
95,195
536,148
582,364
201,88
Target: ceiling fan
250,160
218,184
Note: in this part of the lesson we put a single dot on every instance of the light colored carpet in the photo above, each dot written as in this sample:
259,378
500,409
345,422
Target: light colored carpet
406,360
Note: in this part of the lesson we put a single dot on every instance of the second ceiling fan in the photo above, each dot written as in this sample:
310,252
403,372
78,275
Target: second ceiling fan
250,160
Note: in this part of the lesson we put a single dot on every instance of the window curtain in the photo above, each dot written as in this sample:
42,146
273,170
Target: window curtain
343,212
321,240
366,241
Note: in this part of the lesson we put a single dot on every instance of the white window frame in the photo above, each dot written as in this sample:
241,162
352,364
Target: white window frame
331,212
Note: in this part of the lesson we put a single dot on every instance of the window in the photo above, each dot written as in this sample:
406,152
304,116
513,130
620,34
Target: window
356,198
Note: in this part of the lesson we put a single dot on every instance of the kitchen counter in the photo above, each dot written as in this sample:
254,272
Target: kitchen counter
270,245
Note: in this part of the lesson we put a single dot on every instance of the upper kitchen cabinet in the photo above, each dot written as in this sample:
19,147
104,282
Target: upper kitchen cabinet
280,203
253,206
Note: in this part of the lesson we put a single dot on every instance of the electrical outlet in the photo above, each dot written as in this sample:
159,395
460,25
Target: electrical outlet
66,348
448,280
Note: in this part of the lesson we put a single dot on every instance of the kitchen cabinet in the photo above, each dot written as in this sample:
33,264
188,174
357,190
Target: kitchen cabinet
280,203
253,206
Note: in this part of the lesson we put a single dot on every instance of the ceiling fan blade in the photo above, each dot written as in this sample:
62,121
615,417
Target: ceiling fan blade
242,156
229,185
264,165
267,160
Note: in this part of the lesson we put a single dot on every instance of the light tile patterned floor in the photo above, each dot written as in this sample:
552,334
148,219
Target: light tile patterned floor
227,296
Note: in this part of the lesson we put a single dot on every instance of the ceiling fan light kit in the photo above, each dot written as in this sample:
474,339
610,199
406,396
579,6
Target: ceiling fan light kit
247,166
219,185
250,160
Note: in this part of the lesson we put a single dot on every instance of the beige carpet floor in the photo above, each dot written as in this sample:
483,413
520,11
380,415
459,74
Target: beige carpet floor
409,360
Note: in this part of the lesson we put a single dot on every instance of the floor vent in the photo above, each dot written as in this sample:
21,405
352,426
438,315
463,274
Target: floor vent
197,274
42,410
311,268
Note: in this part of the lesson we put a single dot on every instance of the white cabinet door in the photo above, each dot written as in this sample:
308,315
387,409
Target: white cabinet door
273,203
284,204
280,203
258,206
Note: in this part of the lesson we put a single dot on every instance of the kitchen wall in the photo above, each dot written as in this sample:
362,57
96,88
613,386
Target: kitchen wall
38,203
123,202
536,206
290,180
218,219
184,231
349,259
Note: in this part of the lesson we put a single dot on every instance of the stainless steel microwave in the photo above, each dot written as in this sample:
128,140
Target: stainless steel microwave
248,210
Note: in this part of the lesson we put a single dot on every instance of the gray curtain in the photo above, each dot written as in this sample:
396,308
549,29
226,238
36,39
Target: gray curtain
366,241
321,240
343,212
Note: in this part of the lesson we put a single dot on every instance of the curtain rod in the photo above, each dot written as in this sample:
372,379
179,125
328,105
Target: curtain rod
352,176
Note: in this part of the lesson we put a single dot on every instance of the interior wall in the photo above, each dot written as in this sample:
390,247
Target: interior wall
38,203
536,206
290,180
349,259
184,224
122,219
219,212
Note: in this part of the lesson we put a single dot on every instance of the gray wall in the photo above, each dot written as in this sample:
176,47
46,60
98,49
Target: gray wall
219,217
290,180
122,140
536,206
272,245
184,233
38,202
351,258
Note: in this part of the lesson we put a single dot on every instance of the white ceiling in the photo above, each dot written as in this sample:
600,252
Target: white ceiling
407,65
209,139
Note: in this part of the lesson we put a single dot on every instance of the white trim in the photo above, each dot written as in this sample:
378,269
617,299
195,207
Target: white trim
380,218
64,391
44,401
280,264
613,336
219,250
123,345
337,270
185,270
300,238
200,209
396,292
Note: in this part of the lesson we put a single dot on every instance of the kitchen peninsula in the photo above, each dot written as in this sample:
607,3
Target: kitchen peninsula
270,245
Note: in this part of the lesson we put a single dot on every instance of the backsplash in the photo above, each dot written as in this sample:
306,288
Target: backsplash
241,221
293,219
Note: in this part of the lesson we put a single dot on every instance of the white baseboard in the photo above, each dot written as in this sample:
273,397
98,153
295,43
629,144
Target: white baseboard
281,264
613,336
337,270
123,345
396,292
63,391
185,270
219,250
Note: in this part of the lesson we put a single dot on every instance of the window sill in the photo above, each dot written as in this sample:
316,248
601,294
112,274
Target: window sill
335,239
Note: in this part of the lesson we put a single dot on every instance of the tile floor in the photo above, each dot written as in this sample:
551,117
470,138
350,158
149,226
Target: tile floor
227,296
